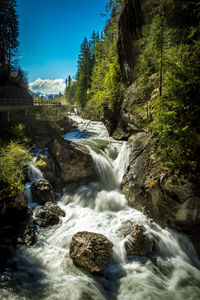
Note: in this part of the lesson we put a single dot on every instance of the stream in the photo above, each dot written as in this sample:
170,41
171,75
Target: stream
45,270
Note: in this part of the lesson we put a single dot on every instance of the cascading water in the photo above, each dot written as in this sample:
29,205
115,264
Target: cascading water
45,271
34,174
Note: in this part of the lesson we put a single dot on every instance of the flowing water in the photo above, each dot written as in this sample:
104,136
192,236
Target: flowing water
45,271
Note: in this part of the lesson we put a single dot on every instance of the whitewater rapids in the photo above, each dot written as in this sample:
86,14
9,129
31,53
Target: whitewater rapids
45,271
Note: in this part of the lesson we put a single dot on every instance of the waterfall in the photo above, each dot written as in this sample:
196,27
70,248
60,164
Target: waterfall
45,271
34,173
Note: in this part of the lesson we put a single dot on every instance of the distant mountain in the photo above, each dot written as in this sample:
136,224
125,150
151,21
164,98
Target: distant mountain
41,95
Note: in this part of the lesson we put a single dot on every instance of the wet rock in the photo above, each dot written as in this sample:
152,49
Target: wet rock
29,236
47,168
138,242
189,214
73,161
90,251
143,184
133,185
42,191
26,235
48,215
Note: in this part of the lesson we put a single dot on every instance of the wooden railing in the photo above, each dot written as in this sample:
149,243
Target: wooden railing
28,102
16,102
42,102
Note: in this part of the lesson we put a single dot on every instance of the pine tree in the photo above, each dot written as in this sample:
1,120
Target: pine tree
85,66
8,32
69,80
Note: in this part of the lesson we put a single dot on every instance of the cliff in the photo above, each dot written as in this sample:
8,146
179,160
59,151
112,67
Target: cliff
170,198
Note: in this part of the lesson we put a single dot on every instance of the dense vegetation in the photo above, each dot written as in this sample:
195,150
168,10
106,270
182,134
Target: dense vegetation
10,73
166,78
13,159
17,137
169,81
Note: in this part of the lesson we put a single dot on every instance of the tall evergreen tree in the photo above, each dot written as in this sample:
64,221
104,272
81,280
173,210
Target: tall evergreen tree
69,80
8,32
85,65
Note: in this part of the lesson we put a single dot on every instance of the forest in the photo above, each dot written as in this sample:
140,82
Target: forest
164,77
99,194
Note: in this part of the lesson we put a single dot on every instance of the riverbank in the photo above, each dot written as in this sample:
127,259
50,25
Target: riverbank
168,269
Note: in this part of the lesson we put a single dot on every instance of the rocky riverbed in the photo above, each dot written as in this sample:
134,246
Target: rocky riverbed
83,240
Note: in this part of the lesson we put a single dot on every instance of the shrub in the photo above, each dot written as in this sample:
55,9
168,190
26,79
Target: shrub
13,159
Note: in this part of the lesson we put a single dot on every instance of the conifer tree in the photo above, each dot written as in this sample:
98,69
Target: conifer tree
8,32
85,66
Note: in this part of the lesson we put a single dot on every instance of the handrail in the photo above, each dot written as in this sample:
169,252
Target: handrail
15,102
41,102
29,102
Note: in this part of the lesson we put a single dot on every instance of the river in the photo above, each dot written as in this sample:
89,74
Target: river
45,270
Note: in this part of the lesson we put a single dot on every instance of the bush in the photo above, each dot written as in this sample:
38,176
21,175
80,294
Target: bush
13,159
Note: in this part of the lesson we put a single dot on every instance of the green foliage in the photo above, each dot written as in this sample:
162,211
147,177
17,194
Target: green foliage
85,66
70,91
168,77
54,115
105,78
176,121
8,33
105,92
13,159
15,131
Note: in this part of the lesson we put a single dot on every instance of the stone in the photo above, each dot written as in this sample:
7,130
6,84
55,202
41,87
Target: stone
73,161
26,235
189,213
90,251
48,215
29,236
42,191
143,183
133,185
41,133
138,242
48,168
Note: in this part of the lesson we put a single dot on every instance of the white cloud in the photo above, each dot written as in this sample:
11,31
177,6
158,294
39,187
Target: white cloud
47,86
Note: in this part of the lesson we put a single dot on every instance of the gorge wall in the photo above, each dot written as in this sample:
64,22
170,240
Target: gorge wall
170,200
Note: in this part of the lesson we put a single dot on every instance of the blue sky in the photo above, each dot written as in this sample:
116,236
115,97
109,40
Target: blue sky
51,32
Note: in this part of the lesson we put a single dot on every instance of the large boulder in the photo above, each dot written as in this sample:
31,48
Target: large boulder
48,215
42,191
90,251
137,242
73,161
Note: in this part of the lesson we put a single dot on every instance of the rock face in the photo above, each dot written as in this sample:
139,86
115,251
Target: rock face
90,251
48,215
142,185
130,28
73,161
42,191
48,169
188,216
41,134
138,243
169,200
